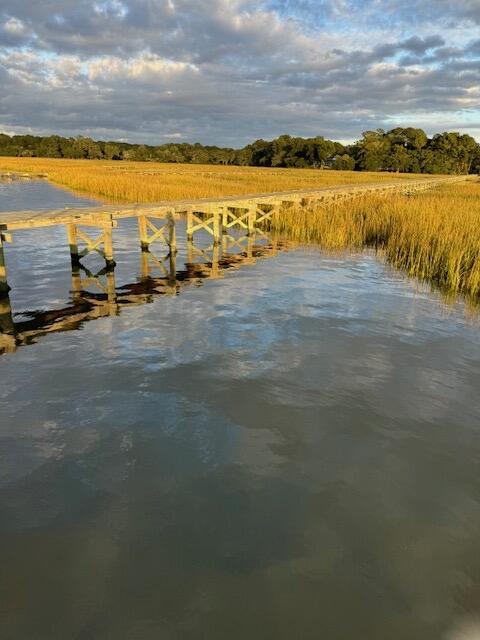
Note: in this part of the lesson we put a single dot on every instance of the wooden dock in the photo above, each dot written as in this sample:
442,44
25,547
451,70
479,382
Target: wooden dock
156,222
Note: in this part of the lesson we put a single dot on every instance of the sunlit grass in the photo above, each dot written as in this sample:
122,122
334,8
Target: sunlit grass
154,182
434,235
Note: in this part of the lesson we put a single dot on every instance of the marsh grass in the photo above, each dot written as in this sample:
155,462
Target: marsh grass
154,182
434,236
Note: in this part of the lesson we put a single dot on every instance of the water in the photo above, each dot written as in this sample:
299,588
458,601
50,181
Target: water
291,450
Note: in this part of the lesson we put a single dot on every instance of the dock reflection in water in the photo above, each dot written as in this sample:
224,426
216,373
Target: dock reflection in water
95,295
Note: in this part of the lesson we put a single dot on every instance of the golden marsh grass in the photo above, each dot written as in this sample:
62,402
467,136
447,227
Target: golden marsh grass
154,182
434,235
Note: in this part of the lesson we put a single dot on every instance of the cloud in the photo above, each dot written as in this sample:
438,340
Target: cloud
228,71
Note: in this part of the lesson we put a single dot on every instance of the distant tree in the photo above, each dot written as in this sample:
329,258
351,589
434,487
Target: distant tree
373,150
475,168
260,153
399,159
400,149
409,138
455,152
112,151
86,148
344,163
50,147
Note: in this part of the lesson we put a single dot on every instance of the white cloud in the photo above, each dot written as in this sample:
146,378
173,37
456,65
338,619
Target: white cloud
228,71
144,67
14,26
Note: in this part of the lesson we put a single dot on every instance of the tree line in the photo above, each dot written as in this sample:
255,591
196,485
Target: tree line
406,150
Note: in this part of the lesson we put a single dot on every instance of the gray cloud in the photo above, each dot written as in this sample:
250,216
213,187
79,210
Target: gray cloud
227,71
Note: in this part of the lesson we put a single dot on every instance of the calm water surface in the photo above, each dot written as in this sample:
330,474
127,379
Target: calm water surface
289,451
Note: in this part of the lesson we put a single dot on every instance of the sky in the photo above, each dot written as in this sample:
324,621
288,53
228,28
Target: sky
228,72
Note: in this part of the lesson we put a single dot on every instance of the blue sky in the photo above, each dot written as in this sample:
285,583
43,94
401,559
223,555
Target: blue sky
230,71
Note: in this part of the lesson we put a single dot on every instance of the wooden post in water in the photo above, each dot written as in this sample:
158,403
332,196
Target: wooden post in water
217,234
144,265
215,270
250,244
190,224
190,251
224,211
7,326
172,233
149,231
73,244
105,222
143,232
108,244
252,214
172,272
4,288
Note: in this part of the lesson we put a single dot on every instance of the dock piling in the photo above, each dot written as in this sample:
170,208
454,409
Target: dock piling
103,221
7,326
143,232
208,218
172,233
216,226
4,287
108,245
149,231
252,219
73,243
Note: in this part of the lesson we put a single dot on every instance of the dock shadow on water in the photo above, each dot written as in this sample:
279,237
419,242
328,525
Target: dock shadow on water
289,450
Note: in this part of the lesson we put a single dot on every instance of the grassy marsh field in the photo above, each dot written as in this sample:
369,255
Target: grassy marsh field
153,182
434,235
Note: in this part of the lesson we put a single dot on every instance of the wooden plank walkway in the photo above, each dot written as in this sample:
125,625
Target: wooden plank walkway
16,220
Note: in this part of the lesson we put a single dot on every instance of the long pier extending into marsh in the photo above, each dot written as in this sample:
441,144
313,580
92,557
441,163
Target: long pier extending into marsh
215,216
